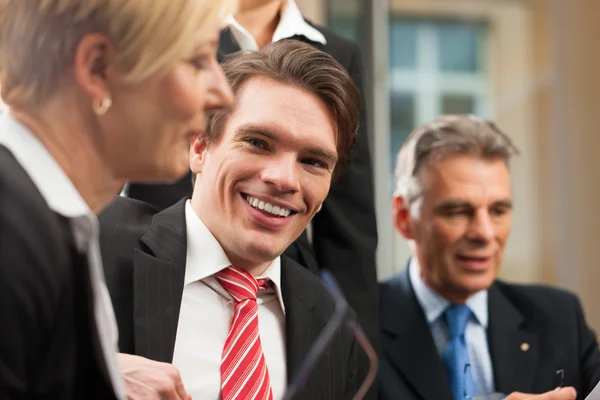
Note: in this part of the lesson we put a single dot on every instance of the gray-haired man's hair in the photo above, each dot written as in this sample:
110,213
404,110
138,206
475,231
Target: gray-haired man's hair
444,136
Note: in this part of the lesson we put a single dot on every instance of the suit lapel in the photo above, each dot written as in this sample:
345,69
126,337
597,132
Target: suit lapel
159,273
303,324
407,341
227,44
513,349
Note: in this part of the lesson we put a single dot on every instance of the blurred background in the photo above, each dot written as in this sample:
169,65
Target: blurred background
533,66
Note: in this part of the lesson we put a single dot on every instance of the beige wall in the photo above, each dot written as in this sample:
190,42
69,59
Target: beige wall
568,133
314,10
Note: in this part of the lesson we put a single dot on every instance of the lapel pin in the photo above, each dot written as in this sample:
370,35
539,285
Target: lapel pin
524,346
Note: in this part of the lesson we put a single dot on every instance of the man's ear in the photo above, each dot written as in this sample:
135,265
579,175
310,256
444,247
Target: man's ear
198,155
401,217
93,57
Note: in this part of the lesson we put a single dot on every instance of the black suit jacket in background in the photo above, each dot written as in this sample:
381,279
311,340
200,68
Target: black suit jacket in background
549,320
144,254
345,230
49,345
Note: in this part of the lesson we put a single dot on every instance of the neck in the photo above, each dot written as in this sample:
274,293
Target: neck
260,18
69,140
256,267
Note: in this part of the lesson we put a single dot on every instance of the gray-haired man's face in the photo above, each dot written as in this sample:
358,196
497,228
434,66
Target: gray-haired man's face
462,224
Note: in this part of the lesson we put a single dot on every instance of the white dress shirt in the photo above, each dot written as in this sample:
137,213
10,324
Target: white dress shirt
207,311
63,198
291,23
434,305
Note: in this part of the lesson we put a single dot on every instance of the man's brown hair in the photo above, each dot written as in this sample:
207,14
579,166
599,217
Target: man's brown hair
297,64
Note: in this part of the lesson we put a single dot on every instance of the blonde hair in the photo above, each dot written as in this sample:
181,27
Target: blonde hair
38,38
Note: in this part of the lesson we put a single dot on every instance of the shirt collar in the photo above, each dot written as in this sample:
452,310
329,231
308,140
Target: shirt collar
205,256
434,305
291,23
55,186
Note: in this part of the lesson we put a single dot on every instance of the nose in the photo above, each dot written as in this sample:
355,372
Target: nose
218,92
481,228
281,173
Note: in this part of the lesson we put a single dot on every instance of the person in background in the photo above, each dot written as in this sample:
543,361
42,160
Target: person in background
203,284
343,235
98,93
449,327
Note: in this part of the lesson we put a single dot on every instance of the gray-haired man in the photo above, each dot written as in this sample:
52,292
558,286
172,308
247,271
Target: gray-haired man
449,328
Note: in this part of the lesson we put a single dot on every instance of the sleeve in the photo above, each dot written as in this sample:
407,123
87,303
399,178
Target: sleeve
345,230
359,371
589,356
24,304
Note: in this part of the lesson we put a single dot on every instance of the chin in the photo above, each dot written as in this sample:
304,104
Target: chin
263,254
474,285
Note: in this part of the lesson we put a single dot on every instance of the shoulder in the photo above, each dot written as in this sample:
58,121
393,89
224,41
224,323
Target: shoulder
125,216
540,300
122,225
345,51
25,216
335,39
124,208
396,288
35,245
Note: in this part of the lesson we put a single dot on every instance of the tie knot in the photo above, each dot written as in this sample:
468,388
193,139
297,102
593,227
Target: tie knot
457,317
239,283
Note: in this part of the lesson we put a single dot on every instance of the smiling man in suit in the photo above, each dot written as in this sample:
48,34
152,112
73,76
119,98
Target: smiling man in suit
344,233
203,284
447,310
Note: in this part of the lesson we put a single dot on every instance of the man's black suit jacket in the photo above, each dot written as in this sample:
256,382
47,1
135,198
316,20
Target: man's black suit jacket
49,345
345,230
144,254
549,320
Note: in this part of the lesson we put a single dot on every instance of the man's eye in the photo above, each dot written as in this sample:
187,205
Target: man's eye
314,163
256,143
456,212
498,211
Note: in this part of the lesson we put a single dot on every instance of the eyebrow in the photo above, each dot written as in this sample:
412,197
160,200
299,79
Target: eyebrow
212,44
455,203
271,134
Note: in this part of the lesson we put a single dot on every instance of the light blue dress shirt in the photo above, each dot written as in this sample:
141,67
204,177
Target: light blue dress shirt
434,305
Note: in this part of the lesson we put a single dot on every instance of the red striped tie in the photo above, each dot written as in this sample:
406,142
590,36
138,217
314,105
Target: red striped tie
244,373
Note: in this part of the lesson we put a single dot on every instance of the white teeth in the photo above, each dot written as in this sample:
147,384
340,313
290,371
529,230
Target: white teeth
268,207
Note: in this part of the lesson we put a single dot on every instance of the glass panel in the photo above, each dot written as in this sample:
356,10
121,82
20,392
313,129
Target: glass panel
347,27
402,115
345,17
458,104
460,45
403,43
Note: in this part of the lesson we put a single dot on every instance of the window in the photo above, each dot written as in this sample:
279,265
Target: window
436,67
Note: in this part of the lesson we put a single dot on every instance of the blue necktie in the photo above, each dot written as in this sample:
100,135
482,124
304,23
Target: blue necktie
456,355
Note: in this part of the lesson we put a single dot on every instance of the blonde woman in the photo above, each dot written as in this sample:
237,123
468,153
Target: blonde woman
98,92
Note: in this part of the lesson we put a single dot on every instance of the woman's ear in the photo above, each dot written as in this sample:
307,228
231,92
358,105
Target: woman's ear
91,62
